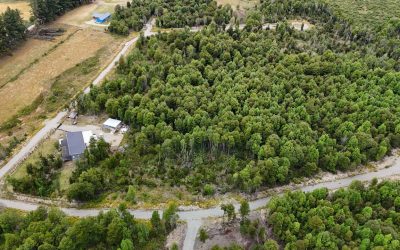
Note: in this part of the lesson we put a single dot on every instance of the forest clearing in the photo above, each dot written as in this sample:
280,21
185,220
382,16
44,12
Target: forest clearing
78,47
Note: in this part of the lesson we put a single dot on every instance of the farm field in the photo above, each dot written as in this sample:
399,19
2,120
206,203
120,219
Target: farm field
367,13
36,80
23,6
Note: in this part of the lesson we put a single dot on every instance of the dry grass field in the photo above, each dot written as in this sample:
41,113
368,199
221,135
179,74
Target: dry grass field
23,7
81,45
243,4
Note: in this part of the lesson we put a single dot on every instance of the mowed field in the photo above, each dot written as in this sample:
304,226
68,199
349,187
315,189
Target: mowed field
22,6
367,13
77,46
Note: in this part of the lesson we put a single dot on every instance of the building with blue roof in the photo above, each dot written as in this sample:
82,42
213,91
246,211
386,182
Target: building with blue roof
101,17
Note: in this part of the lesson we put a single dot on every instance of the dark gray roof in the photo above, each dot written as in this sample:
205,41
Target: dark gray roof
75,142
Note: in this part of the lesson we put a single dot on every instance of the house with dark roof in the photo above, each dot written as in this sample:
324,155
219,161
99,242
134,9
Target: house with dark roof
73,146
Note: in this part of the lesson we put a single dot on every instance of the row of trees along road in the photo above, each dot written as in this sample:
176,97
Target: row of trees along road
45,11
12,30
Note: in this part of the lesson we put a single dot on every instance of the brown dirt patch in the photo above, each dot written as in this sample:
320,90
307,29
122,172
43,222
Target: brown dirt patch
24,7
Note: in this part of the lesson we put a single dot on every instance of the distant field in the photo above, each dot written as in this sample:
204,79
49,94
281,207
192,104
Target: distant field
367,13
22,6
243,4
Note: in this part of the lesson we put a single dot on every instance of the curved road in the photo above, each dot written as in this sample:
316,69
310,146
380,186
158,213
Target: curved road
194,217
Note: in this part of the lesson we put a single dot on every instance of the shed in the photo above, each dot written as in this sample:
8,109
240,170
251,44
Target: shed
112,124
101,17
73,115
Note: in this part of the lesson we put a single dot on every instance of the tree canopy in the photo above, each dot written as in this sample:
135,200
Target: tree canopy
45,11
169,14
360,216
12,30
45,229
251,108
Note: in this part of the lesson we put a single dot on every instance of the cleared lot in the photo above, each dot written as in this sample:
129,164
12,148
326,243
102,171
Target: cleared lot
113,138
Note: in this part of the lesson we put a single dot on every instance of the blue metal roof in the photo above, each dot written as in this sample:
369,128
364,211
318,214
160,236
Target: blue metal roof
101,16
75,142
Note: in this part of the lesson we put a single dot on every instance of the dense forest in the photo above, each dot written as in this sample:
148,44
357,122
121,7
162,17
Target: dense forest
46,229
169,14
45,11
12,30
249,108
381,39
363,217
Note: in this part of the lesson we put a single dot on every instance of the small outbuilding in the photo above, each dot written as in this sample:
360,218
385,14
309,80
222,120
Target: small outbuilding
112,124
101,17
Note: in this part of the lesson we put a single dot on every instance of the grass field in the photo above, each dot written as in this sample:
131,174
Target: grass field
81,16
36,80
243,4
23,7
367,13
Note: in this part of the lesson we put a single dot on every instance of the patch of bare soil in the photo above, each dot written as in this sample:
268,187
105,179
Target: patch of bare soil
226,234
176,237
